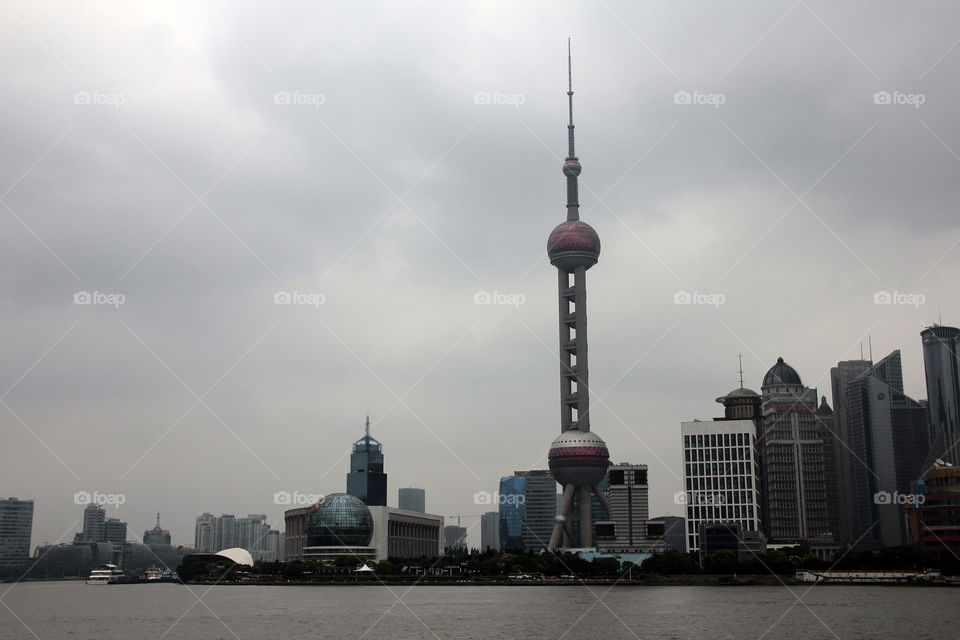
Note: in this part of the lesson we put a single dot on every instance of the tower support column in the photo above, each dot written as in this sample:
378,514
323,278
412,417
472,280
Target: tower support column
586,517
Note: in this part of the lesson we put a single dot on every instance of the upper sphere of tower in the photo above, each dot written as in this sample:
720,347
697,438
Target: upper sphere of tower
571,168
573,244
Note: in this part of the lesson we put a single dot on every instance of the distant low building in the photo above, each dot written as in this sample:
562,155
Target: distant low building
454,539
157,535
412,499
490,531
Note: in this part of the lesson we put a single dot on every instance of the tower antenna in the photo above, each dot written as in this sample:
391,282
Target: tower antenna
870,344
367,428
571,168
740,358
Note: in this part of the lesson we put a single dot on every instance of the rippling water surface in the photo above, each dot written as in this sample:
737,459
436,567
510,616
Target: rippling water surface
75,610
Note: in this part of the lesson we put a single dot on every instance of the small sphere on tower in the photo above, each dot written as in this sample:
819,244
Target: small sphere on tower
571,168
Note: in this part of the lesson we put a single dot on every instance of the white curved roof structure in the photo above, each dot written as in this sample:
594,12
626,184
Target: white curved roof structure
237,555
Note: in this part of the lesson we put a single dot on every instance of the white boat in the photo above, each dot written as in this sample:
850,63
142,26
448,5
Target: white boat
106,574
153,574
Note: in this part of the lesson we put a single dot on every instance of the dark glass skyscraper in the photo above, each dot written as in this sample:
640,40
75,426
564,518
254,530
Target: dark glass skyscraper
512,508
366,479
889,440
940,363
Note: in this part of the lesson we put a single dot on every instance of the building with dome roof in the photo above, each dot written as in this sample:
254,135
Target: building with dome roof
790,449
339,525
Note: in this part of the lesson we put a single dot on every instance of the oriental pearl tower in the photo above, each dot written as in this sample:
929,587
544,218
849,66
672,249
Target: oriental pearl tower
578,458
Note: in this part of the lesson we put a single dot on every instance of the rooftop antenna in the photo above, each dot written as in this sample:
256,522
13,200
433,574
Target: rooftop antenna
367,430
158,519
870,344
861,349
740,358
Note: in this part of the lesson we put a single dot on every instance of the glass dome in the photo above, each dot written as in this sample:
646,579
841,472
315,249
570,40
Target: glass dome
340,520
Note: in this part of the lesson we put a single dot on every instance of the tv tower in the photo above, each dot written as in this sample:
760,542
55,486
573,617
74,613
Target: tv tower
578,458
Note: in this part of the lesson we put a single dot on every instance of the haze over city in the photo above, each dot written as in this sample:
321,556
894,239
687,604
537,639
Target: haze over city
229,234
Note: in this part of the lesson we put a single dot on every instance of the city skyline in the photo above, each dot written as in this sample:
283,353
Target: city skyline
779,196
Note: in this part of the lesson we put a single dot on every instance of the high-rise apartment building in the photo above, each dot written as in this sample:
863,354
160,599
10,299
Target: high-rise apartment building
16,528
490,531
94,519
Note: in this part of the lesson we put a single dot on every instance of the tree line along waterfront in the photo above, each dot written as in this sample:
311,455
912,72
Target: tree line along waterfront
493,567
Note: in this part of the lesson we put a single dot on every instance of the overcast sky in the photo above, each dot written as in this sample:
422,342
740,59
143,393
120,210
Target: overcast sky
188,162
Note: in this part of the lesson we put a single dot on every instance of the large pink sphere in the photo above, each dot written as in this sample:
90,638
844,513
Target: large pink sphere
579,457
573,244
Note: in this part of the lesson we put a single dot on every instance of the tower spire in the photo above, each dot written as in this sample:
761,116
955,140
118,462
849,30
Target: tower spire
571,166
740,358
367,427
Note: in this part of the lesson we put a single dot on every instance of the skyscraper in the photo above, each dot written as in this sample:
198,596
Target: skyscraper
791,459
826,426
940,364
454,539
578,458
512,509
490,531
889,435
412,499
847,465
114,531
366,479
204,536
720,475
540,508
628,495
94,518
16,527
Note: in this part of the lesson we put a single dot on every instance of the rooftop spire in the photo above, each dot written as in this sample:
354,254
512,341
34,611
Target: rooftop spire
571,167
367,428
740,358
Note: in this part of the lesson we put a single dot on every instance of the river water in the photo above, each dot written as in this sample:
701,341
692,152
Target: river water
74,610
